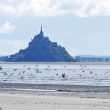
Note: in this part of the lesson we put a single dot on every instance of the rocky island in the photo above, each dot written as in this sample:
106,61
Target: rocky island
41,49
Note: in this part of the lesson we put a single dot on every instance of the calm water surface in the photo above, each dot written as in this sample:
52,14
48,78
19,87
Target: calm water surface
51,73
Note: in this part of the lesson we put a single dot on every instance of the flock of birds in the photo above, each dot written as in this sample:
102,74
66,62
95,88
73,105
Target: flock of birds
47,73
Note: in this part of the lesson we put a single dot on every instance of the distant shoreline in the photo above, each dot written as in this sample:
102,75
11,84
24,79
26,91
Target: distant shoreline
66,63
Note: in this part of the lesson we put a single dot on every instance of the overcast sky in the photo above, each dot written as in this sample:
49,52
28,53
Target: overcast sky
81,26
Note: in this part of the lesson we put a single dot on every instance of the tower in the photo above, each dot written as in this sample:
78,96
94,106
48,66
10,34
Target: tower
41,32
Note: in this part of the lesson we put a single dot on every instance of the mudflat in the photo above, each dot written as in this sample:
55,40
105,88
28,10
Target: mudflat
53,100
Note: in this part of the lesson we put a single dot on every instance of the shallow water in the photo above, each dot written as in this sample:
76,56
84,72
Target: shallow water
51,73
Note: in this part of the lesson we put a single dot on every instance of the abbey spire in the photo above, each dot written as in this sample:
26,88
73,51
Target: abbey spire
41,32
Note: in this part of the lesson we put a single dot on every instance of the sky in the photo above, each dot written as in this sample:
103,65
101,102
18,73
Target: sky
81,26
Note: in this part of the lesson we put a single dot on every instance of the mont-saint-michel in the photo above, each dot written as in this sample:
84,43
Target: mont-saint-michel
41,49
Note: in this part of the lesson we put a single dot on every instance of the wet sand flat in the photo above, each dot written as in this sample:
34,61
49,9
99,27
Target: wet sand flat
19,101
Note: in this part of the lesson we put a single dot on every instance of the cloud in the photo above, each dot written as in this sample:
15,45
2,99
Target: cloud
101,8
81,8
13,46
6,28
